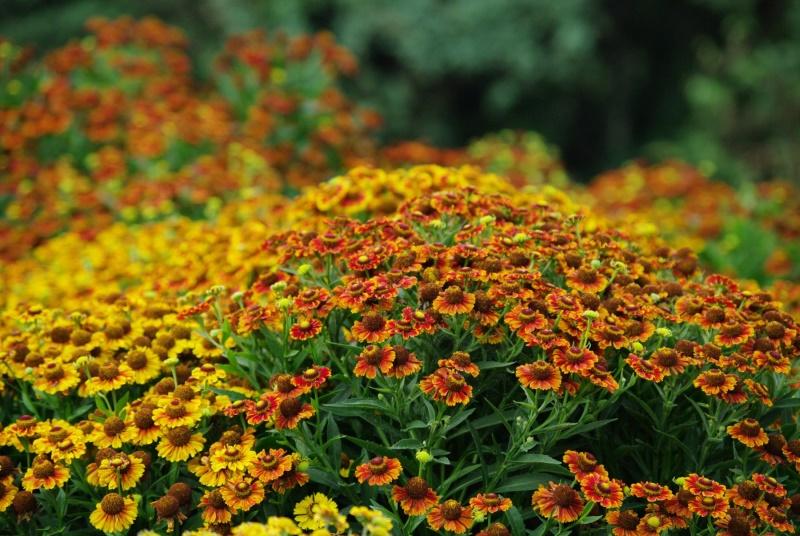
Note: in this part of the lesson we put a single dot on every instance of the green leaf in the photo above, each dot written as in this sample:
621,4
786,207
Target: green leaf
537,458
515,521
355,407
526,482
408,443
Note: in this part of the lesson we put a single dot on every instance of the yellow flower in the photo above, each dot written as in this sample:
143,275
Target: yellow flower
114,513
305,511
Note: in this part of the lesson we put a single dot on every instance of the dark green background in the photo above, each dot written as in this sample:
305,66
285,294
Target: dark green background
714,81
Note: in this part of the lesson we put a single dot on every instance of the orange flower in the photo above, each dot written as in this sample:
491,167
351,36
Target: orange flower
242,493
379,471
583,464
453,301
490,503
290,412
645,369
373,359
745,494
306,328
214,508
574,359
714,382
624,522
525,319
271,465
768,484
708,506
607,493
669,360
461,362
732,333
451,516
405,362
448,386
651,491
539,375
749,432
416,497
44,474
313,377
700,485
558,501
587,280
372,328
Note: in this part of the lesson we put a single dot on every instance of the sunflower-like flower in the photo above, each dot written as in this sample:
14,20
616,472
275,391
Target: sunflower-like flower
451,516
416,497
558,501
114,513
379,471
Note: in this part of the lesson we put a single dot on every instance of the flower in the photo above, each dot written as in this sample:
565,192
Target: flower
715,382
603,491
490,503
306,511
305,329
242,493
558,501
539,375
269,466
290,412
373,359
235,458
379,471
8,493
453,301
168,508
313,377
583,464
700,485
574,359
451,516
416,497
44,474
114,513
179,444
624,522
748,432
448,386
120,469
214,509
372,328
651,491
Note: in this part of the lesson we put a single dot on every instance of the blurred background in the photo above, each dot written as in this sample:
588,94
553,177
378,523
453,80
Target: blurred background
714,82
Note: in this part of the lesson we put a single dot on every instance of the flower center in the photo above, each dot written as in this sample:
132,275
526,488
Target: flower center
451,510
290,407
137,360
175,409
377,465
112,504
454,296
179,436
564,495
43,469
373,322
242,490
54,372
113,426
417,488
109,371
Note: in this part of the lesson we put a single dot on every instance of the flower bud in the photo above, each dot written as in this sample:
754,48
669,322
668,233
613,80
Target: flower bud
303,269
423,456
591,314
663,332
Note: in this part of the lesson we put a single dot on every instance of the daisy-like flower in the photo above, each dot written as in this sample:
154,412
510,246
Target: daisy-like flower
372,328
54,378
214,509
168,509
490,503
461,362
176,412
306,512
524,319
179,444
110,377
373,359
405,362
558,501
451,516
748,432
142,428
745,494
603,491
114,513
453,300
290,412
448,386
7,495
653,522
201,467
586,280
293,477
113,433
768,484
669,360
646,369
416,497
63,443
261,410
379,471
732,333
208,374
791,449
651,491
735,523
495,529
242,493
305,329
234,458
772,360
701,485
312,378
44,474
708,506
775,517
120,469
583,464
623,522
269,466
144,364
539,375
574,359
485,309
715,382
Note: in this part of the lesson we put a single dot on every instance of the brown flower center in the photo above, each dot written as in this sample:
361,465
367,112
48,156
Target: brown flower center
57,434
179,436
373,322
112,504
43,469
136,359
378,465
290,407
417,488
143,419
451,510
628,520
215,500
109,371
454,296
113,426
242,490
564,496
54,372
166,507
